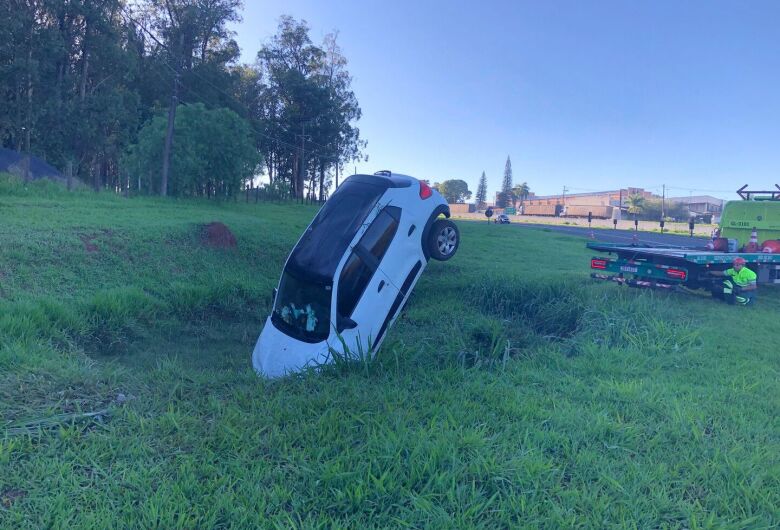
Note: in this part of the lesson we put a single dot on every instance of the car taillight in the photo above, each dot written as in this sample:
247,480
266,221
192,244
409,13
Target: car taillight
676,273
598,264
425,190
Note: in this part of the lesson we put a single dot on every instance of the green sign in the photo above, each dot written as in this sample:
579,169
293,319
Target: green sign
510,211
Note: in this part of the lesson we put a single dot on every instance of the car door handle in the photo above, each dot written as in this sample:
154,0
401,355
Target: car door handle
381,285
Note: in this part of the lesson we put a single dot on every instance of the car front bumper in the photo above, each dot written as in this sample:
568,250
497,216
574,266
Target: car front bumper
277,354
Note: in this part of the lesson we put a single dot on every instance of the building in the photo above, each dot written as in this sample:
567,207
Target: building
596,198
700,205
463,207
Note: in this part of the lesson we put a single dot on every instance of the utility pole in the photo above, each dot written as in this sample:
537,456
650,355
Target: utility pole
663,201
27,152
299,186
171,122
563,197
337,167
302,170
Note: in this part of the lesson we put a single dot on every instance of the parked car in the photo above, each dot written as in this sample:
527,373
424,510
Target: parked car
502,219
347,278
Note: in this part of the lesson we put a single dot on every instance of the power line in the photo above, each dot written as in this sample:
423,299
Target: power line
143,28
696,189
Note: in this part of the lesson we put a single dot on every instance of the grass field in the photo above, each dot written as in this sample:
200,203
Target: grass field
512,392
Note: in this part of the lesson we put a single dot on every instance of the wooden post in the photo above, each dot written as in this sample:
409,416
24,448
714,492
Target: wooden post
69,174
96,175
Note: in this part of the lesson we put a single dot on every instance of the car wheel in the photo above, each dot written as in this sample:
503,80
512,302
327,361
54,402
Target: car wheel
444,240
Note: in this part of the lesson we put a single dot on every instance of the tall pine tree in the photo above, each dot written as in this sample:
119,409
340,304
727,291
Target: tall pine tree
481,197
505,197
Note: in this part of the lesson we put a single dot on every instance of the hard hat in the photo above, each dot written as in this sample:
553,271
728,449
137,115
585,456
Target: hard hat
739,260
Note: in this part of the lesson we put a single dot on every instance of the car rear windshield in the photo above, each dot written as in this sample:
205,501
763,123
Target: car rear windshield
302,309
318,253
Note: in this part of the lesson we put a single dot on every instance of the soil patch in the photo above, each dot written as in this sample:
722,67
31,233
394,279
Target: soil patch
217,235
89,239
89,246
9,496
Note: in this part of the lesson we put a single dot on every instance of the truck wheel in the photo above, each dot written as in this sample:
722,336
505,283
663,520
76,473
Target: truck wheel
443,240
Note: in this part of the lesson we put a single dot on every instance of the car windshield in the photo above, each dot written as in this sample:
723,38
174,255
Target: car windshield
322,246
302,308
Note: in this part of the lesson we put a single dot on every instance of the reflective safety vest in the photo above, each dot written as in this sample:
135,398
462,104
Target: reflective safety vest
742,278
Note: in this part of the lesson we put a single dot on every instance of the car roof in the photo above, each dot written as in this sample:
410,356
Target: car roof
386,179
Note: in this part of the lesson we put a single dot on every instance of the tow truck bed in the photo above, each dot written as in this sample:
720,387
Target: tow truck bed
694,255
667,267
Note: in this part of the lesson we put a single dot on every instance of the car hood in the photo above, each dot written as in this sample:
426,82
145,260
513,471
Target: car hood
277,354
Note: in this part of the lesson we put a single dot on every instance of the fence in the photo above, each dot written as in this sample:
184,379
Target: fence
270,194
624,224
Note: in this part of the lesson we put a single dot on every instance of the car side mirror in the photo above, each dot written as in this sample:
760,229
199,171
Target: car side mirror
273,296
343,323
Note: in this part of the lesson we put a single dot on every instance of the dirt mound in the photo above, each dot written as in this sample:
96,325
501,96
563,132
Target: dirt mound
217,235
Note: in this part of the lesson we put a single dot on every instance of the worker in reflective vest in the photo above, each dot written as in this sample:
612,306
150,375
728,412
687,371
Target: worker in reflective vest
738,285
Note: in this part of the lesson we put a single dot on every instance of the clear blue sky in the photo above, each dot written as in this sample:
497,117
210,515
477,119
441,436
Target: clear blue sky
591,95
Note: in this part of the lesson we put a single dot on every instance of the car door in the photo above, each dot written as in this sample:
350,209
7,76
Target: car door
405,258
364,293
406,248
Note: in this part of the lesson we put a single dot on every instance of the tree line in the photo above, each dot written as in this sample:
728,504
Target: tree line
510,194
150,96
457,191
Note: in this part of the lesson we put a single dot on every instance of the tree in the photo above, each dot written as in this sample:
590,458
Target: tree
341,139
187,27
193,31
79,79
65,68
454,191
214,152
505,197
521,192
309,106
481,197
635,204
651,210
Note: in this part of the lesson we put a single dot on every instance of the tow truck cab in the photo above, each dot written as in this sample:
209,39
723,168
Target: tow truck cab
739,218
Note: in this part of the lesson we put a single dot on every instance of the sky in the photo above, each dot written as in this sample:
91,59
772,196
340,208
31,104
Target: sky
588,95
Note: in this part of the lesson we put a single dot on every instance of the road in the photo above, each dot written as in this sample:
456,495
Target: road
618,236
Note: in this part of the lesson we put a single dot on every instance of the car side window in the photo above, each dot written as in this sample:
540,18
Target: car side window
354,278
378,236
364,260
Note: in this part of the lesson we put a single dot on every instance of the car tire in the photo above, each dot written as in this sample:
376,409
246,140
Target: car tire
443,240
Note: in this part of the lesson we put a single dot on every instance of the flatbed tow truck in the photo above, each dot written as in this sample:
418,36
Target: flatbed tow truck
669,267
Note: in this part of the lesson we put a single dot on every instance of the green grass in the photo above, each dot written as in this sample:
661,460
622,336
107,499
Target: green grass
512,392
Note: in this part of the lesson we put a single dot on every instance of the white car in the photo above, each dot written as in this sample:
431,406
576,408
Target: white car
351,271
